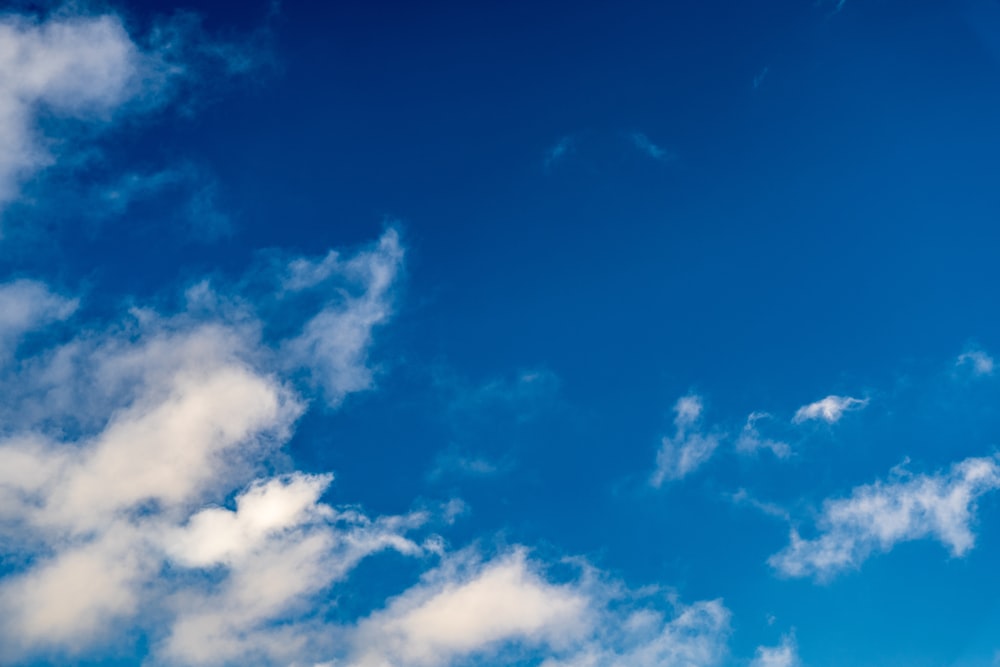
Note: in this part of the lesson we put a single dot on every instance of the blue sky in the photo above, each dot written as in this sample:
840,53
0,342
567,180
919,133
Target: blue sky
562,335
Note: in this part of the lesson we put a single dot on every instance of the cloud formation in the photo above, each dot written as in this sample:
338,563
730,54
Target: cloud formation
784,654
470,609
751,441
465,608
829,409
977,360
119,449
333,345
79,67
876,517
26,305
689,447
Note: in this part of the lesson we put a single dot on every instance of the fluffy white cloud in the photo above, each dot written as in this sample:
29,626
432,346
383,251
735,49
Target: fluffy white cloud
468,610
690,446
829,409
751,441
75,66
784,654
120,447
280,547
876,517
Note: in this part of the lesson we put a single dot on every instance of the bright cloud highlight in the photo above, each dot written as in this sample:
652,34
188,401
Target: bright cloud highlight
829,409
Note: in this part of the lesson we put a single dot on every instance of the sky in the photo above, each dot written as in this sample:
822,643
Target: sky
374,334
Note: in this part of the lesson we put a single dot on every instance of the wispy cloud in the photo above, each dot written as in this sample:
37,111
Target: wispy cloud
759,78
784,654
558,152
86,69
26,305
743,497
690,446
647,147
829,409
751,441
333,345
454,462
977,360
876,517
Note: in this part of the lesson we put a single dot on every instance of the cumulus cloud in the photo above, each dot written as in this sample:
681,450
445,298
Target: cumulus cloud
455,613
119,449
470,609
690,446
784,654
977,360
281,547
876,517
829,409
751,441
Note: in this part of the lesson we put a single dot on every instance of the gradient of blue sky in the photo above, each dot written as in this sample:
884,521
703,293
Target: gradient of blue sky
632,335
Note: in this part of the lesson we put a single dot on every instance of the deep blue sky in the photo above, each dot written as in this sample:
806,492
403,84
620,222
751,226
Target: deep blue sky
822,221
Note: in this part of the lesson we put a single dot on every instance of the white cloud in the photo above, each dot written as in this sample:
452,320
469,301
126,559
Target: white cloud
26,305
980,362
646,146
689,447
69,73
120,446
751,441
80,67
876,517
468,609
333,345
696,636
281,547
454,613
96,503
784,654
829,409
